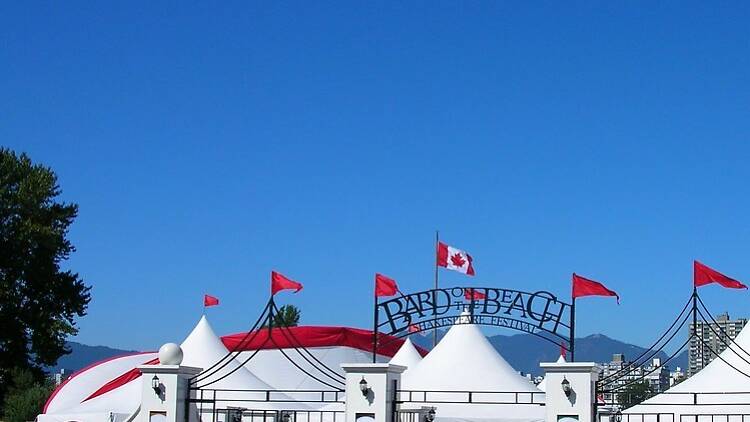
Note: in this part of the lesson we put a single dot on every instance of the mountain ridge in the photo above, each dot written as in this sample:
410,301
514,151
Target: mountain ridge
522,351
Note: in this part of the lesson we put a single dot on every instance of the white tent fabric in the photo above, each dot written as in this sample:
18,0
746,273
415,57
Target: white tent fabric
203,348
83,383
68,402
274,368
465,361
717,383
407,356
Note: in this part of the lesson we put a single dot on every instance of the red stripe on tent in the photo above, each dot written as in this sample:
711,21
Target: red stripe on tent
123,379
312,336
79,372
308,336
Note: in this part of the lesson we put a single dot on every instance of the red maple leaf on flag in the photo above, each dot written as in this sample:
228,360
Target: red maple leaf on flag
458,260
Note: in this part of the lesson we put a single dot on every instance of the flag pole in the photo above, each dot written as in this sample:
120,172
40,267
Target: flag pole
572,323
434,293
375,327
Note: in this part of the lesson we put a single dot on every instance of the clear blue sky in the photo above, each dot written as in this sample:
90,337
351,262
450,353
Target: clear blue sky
209,144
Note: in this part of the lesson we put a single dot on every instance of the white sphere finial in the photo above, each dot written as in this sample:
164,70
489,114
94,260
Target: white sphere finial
170,354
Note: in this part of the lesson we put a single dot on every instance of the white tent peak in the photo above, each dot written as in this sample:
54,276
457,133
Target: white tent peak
465,360
561,359
464,318
200,344
203,348
407,355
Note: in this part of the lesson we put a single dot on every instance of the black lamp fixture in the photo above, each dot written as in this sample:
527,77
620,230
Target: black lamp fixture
363,387
430,415
285,416
566,387
156,385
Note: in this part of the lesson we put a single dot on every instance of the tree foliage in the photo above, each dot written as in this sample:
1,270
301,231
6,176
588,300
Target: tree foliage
26,396
288,316
634,394
38,300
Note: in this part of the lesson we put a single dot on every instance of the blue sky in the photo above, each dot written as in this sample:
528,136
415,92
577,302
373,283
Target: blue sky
208,144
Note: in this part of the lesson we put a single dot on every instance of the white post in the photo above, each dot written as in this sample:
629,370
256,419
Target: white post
169,403
376,403
164,387
574,402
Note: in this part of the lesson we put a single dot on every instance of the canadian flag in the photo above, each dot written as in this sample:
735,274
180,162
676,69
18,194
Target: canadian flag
454,259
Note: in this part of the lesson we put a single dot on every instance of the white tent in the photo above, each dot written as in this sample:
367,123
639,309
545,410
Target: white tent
110,390
275,368
464,361
717,389
68,401
203,349
407,356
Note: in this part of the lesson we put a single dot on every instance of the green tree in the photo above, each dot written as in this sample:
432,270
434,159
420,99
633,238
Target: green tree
38,300
288,316
26,397
634,394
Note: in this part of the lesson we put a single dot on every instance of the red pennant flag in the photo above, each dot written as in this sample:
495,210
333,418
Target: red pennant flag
385,286
454,259
279,283
584,287
703,275
471,294
209,300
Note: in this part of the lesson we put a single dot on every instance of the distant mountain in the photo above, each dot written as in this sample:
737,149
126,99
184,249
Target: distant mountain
82,355
525,351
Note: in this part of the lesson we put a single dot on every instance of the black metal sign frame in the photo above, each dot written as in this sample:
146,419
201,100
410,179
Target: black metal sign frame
540,313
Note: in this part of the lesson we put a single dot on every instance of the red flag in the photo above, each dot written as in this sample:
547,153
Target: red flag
454,259
563,350
471,294
209,300
385,286
279,282
584,287
703,275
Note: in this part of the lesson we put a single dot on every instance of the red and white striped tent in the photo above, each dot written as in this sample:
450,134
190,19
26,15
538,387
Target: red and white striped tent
110,390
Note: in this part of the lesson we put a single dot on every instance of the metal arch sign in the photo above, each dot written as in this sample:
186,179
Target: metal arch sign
538,313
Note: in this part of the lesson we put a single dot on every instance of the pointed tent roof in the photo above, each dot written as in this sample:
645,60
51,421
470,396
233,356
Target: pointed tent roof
716,377
407,355
203,348
465,360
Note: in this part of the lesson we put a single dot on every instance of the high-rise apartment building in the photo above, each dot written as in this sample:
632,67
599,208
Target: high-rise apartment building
715,338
